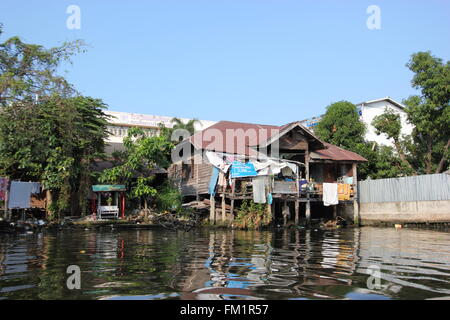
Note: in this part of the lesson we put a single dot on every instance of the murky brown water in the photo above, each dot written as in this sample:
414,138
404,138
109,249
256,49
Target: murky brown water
212,264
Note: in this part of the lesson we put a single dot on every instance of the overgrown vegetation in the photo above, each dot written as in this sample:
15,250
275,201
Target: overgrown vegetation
252,215
137,165
168,198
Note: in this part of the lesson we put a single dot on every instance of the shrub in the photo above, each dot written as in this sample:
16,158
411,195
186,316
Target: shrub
252,215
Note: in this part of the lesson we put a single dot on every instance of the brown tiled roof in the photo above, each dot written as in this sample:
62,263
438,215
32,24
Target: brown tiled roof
207,139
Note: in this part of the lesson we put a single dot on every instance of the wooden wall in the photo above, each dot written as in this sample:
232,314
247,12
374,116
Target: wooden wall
191,178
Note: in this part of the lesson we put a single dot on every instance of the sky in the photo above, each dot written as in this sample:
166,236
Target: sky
259,61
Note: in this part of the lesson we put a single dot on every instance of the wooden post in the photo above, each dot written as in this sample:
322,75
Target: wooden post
233,190
308,204
285,212
297,203
123,205
272,209
308,209
307,167
355,196
197,196
212,209
232,209
223,207
7,217
99,201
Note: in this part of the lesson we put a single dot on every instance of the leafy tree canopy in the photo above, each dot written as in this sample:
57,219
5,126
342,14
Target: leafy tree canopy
54,141
341,125
28,70
134,166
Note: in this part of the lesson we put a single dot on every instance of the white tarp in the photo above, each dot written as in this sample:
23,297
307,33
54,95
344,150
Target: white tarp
217,161
262,167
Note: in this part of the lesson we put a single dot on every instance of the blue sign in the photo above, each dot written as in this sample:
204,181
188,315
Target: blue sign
240,170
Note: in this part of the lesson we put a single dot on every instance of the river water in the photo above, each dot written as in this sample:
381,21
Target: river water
352,263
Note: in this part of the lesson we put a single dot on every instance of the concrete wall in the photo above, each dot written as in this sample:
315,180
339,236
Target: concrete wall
404,211
345,210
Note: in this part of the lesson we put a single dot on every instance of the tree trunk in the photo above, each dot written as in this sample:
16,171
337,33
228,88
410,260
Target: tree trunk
440,166
428,159
49,200
402,155
145,208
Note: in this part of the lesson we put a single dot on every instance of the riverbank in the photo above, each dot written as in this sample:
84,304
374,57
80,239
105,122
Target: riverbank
102,225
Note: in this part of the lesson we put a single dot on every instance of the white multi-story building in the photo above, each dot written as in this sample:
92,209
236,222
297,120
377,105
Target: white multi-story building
368,111
120,122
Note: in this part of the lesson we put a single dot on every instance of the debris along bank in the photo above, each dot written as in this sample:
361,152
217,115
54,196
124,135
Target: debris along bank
283,172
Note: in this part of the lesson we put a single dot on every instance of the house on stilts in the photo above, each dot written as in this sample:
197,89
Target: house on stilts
287,167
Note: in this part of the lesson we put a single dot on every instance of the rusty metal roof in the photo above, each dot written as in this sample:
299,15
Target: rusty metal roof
224,136
335,153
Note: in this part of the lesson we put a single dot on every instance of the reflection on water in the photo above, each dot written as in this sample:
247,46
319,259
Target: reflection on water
213,264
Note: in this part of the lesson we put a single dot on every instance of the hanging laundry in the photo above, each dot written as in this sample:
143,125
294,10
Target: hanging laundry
330,194
217,161
19,195
259,189
343,191
292,166
222,180
36,187
3,188
213,181
269,198
287,171
348,180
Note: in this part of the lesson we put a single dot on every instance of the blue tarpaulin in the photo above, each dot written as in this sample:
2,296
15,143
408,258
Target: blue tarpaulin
213,181
240,170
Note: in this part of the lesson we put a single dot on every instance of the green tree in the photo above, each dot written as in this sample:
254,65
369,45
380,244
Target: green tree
429,112
341,126
134,166
189,125
389,123
29,71
54,141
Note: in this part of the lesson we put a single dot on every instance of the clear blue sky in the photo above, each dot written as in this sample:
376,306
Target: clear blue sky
262,61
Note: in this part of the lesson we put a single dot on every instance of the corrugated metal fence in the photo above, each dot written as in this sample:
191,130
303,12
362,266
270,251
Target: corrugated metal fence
416,188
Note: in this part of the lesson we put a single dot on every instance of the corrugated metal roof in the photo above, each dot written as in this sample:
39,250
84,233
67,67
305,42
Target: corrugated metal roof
336,153
224,136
